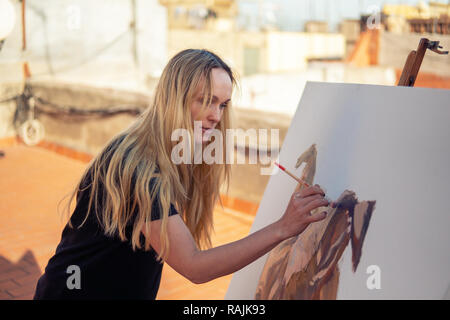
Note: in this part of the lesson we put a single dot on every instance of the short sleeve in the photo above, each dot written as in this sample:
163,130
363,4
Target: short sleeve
156,207
156,212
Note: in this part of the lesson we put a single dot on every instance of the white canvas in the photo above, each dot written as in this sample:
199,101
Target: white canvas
386,143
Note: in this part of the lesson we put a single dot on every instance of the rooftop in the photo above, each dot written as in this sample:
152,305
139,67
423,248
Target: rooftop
34,180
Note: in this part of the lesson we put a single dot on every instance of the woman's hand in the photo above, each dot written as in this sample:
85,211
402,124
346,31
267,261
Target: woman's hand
201,266
298,212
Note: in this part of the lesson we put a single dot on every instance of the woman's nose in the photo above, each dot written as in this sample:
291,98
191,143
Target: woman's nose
215,114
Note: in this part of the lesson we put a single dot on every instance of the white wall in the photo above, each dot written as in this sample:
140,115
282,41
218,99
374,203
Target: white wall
262,91
289,51
88,38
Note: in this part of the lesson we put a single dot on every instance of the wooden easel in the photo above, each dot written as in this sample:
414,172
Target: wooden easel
414,60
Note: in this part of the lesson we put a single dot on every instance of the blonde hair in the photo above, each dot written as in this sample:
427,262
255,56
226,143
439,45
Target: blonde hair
141,154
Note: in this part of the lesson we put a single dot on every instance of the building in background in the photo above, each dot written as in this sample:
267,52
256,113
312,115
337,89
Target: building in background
211,24
213,15
316,26
350,29
431,17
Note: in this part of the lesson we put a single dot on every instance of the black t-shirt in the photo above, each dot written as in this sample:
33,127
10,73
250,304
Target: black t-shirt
108,267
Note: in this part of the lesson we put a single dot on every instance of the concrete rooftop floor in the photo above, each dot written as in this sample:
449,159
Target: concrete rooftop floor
33,181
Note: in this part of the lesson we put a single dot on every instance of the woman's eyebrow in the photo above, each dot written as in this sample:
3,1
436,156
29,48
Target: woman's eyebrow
215,99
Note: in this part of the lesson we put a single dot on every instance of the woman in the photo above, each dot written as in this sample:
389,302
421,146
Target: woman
135,208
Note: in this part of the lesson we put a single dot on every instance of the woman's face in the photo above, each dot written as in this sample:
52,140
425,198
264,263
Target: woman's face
221,90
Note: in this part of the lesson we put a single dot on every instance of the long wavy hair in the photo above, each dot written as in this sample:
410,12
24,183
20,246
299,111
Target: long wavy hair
142,153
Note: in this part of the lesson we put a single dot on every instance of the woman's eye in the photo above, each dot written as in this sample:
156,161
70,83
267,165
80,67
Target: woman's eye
224,105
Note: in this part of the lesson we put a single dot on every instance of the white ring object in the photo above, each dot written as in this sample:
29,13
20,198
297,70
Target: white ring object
32,132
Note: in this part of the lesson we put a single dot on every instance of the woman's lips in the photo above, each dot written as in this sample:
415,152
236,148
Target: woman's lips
206,132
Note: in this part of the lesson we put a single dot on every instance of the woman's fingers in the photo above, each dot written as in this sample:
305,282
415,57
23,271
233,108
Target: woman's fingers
316,203
305,201
309,191
317,217
298,213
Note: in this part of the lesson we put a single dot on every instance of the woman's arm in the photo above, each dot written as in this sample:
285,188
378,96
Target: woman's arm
204,265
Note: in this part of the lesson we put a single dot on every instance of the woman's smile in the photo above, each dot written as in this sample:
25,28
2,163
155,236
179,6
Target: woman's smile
206,133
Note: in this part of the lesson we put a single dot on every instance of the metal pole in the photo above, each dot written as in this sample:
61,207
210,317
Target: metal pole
133,26
24,34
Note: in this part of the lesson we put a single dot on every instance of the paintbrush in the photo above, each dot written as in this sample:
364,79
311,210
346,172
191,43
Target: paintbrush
300,181
291,174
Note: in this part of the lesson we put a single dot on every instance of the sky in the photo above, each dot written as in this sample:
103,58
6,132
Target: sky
290,15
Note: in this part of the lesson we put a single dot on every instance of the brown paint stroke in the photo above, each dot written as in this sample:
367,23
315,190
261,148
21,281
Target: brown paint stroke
306,266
